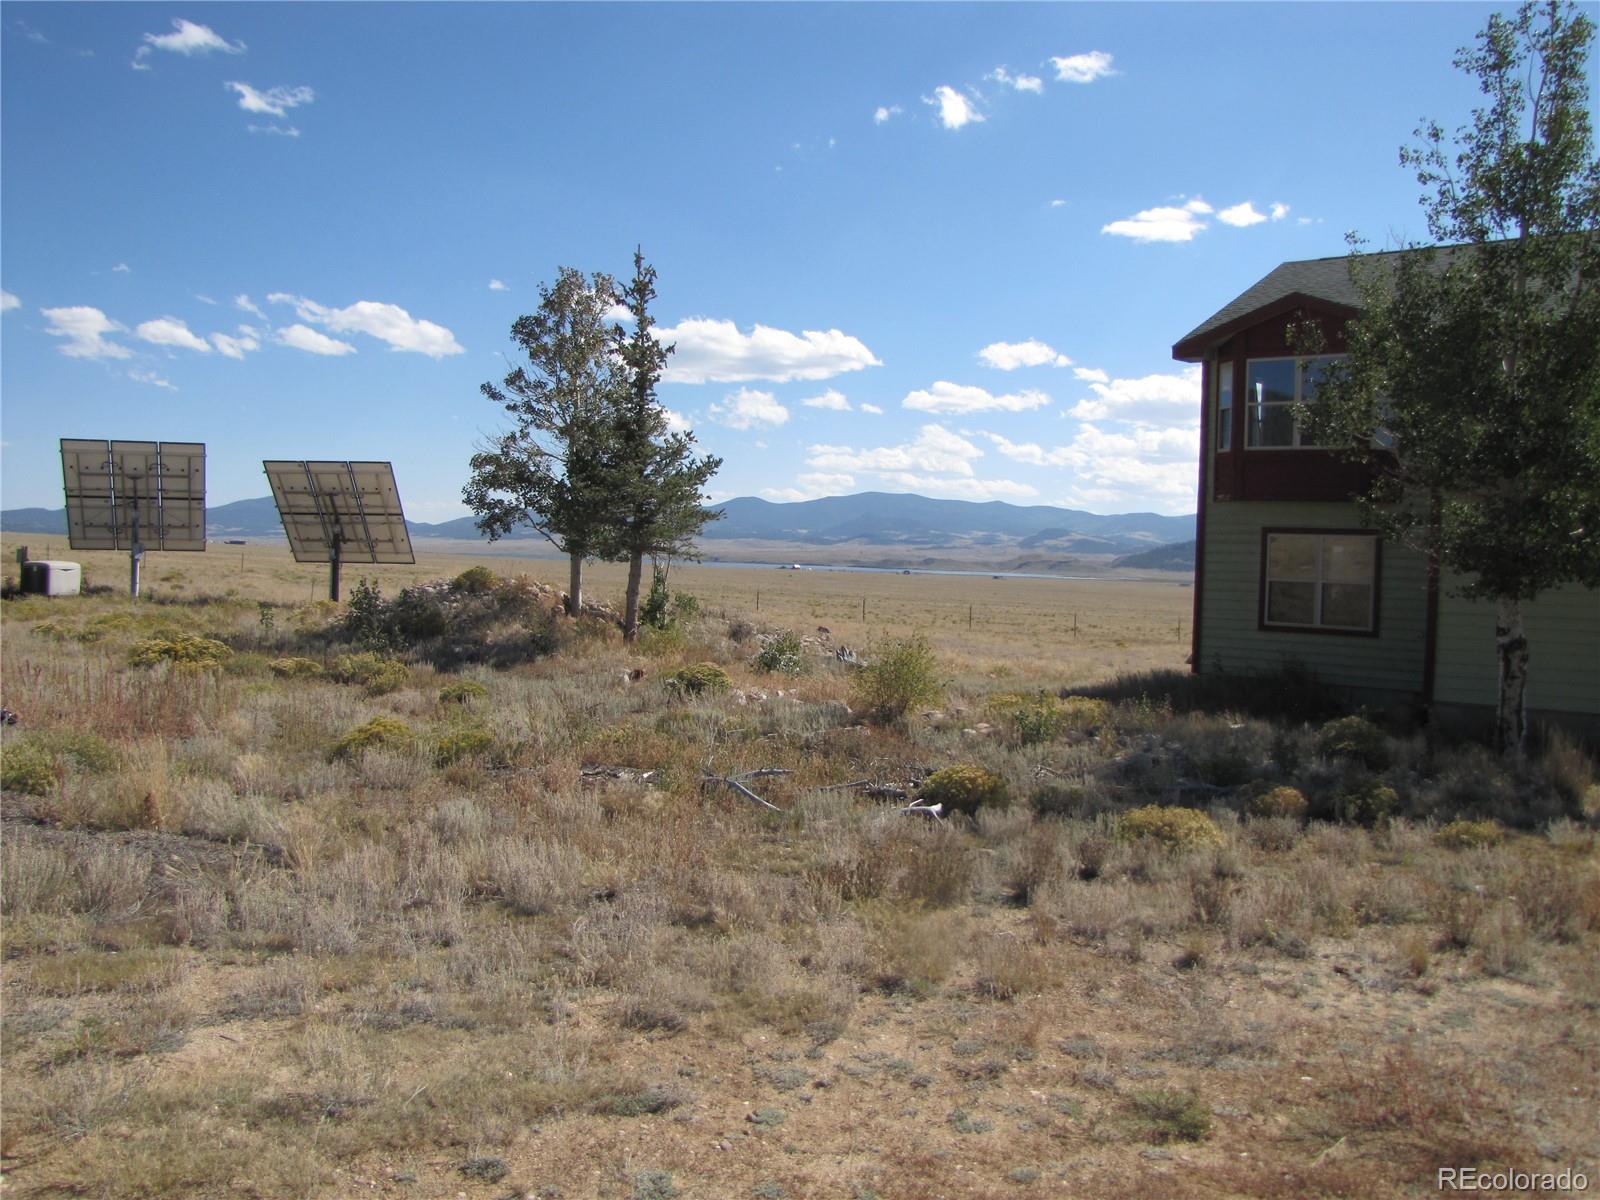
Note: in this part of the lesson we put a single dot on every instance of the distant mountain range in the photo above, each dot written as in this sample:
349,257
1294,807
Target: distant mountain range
869,518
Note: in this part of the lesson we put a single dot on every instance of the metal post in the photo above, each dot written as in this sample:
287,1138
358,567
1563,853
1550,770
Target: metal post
135,553
333,570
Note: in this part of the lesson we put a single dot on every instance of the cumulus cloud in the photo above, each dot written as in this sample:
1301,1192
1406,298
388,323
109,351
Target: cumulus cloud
387,322
946,397
1168,223
886,112
496,285
1279,211
873,409
169,331
955,110
959,489
1083,68
1008,356
809,485
303,337
1091,374
833,400
274,102
288,131
1058,203
713,351
152,379
1143,465
84,329
122,269
187,39
677,422
1158,399
8,301
747,408
248,305
237,347
1018,82
1241,215
935,450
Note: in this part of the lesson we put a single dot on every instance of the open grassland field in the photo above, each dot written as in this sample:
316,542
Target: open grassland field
433,897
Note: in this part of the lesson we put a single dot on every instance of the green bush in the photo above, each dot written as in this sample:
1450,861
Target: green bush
781,654
1368,803
186,651
653,612
1170,1116
1178,829
366,618
416,615
295,668
1469,835
1355,738
901,675
81,750
380,732
462,691
1035,719
1085,713
475,581
463,741
376,674
1279,802
700,679
28,767
965,789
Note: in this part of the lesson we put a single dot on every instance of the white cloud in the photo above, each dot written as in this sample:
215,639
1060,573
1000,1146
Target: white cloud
237,347
205,299
152,379
1143,466
1091,374
496,285
747,408
833,400
1158,399
960,489
1168,223
1279,211
677,422
884,113
85,329
122,269
935,450
1058,204
8,301
1241,215
1021,83
811,484
1008,356
873,409
714,351
303,337
169,331
1083,68
288,131
187,39
1147,443
945,397
955,110
275,101
243,301
387,322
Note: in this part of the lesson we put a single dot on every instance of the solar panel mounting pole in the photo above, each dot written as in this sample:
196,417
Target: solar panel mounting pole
333,568
135,554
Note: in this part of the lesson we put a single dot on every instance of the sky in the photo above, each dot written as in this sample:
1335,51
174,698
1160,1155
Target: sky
942,249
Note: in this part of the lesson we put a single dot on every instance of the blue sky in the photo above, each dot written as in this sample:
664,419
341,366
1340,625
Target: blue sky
942,249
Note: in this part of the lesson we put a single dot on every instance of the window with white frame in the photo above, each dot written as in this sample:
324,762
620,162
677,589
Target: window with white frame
1273,386
1224,376
1321,581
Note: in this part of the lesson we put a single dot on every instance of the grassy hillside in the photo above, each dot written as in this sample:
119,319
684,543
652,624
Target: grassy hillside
454,896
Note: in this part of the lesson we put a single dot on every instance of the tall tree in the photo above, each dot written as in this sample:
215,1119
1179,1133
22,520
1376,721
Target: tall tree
542,472
654,481
1473,381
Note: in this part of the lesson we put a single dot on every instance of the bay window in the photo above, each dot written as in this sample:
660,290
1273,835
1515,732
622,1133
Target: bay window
1273,386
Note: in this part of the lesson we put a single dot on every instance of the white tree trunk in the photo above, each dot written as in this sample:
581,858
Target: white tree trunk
1511,644
575,585
630,612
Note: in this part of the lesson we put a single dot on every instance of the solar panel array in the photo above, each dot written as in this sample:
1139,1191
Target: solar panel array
351,507
120,494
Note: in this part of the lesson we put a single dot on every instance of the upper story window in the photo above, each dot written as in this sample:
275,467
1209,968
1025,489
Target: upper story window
1224,377
1273,386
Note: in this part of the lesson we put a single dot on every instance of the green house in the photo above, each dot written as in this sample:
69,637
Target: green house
1285,574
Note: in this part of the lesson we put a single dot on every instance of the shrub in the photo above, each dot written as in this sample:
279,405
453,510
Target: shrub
1367,803
295,668
475,581
1178,829
1279,802
1170,1116
415,615
1085,712
186,651
1468,835
378,675
1354,737
385,732
902,674
462,742
28,767
964,789
462,691
705,678
781,654
1035,718
82,750
653,612
366,618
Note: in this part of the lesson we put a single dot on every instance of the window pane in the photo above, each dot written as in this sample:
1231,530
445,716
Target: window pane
1224,405
1290,603
1348,559
1347,605
1312,372
1270,381
1224,384
1271,425
1291,556
1225,429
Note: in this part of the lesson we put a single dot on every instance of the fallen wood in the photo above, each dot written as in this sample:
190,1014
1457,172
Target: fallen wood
725,781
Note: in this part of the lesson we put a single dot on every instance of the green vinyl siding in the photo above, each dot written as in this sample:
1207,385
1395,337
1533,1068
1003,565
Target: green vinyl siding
1231,641
1563,629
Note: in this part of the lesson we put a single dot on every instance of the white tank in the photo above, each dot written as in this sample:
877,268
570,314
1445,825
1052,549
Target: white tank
52,577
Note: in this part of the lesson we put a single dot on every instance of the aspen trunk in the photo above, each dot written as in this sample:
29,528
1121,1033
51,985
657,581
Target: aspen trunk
1511,644
630,612
575,585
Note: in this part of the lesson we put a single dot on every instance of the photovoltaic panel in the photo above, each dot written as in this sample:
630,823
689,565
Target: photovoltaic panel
120,493
354,505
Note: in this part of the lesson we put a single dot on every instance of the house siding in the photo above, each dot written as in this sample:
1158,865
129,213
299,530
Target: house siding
1563,628
1388,666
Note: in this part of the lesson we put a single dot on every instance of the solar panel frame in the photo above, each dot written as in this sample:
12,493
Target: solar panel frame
355,504
108,482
